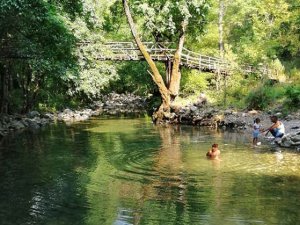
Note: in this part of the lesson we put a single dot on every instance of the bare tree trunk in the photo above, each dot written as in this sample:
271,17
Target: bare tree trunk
26,88
164,109
169,66
220,27
5,78
221,43
176,75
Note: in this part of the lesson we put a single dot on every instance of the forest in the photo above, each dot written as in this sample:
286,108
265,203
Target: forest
49,52
147,112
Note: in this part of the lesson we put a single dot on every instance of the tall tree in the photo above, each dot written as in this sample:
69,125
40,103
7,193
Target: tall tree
36,46
167,21
253,28
221,12
93,75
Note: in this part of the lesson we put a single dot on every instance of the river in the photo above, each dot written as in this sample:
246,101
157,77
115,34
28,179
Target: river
121,171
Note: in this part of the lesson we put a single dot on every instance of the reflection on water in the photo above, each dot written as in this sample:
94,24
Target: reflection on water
127,171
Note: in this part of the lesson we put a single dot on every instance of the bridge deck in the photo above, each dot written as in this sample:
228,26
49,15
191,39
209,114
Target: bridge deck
128,51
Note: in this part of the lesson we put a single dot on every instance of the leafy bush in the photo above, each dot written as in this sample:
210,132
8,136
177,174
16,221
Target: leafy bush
264,96
133,78
293,96
295,75
194,82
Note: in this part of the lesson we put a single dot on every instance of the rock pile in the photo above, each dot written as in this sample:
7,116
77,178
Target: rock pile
69,115
112,104
211,117
33,120
115,104
290,140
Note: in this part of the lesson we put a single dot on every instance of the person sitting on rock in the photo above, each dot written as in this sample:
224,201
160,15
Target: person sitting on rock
277,129
214,152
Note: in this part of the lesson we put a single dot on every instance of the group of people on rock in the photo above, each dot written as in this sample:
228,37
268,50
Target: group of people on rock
277,130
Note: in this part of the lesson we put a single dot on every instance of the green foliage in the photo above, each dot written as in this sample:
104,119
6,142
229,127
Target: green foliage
260,32
93,75
194,82
133,78
293,96
49,67
162,19
295,75
56,102
46,34
274,96
265,96
207,43
39,47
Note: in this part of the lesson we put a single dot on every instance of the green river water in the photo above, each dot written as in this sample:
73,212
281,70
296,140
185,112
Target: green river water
127,171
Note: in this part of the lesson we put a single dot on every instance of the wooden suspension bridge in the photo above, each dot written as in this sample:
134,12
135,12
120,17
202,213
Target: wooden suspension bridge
159,51
129,51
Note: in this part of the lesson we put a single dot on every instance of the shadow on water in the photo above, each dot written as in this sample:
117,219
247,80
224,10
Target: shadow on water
127,171
40,177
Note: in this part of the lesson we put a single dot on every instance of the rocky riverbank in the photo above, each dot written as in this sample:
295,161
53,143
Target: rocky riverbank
202,115
129,104
112,104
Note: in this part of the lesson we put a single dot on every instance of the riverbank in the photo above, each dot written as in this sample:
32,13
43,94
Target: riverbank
112,104
129,104
205,115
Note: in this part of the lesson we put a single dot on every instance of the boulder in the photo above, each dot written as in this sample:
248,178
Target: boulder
287,143
68,112
295,138
17,125
33,114
193,108
49,116
32,124
253,112
291,139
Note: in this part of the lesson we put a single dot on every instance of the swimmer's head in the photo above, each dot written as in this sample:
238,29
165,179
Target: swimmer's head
215,145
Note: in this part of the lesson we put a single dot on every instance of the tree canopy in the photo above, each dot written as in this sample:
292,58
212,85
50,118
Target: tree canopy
49,49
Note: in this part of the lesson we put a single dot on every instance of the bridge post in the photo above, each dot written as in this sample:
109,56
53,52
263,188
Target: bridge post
169,66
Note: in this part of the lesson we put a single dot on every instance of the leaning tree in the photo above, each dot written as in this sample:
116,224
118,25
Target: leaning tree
167,21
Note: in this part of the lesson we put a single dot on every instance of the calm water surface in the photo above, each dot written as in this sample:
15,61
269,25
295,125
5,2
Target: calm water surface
126,171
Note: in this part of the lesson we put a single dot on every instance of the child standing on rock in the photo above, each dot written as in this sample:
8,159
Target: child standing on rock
256,131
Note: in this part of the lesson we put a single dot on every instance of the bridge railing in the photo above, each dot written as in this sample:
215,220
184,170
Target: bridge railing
203,61
163,52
